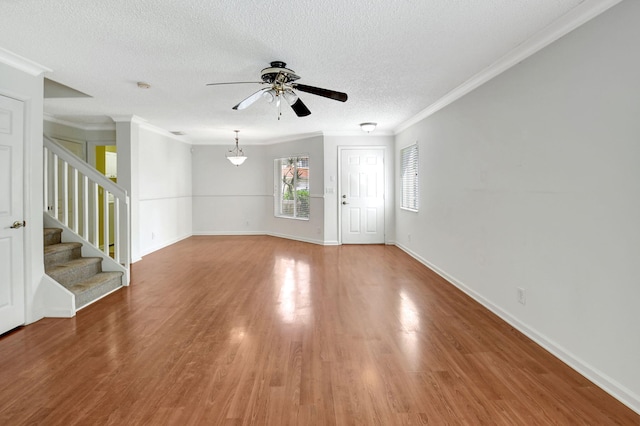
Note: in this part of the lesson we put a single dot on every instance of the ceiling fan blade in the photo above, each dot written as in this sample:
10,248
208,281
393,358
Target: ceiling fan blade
235,82
250,100
331,94
300,108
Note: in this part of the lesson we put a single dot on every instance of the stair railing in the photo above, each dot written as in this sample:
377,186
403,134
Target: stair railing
75,193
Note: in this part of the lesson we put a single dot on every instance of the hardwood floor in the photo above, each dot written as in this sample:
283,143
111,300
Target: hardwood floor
267,331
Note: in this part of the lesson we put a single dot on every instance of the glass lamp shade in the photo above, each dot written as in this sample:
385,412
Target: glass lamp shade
368,127
236,160
290,96
270,95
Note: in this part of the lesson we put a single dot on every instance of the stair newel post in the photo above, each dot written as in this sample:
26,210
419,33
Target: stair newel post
116,226
123,247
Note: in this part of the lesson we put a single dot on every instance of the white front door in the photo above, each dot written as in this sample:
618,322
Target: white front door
362,196
12,298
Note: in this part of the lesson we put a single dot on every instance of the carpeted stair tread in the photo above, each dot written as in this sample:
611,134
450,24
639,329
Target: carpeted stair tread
95,287
61,253
55,248
75,271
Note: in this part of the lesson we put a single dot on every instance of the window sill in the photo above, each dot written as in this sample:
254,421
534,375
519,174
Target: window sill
306,219
409,210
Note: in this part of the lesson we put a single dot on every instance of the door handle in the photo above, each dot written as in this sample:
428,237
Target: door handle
344,202
17,224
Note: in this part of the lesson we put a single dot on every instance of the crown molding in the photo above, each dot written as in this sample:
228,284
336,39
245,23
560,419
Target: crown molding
80,126
289,138
359,133
163,132
576,17
144,124
128,119
23,64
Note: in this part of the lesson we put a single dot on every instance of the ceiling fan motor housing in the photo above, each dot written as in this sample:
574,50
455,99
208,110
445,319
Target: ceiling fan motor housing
278,73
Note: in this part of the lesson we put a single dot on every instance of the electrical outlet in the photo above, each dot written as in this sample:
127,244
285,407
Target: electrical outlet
522,296
153,235
409,237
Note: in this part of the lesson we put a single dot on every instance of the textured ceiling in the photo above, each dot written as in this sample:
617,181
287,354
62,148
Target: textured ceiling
394,58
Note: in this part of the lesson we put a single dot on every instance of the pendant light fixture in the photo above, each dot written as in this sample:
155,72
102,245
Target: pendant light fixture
236,155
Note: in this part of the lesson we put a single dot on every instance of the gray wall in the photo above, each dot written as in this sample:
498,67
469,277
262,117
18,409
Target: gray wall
229,199
532,181
239,200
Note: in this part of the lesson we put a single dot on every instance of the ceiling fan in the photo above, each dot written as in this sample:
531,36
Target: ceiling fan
280,84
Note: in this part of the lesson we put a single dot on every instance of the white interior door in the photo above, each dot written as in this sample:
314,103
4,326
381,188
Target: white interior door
12,298
362,196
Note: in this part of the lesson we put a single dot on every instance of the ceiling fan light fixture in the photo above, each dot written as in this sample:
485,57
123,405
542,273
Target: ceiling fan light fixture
290,96
236,155
270,95
368,127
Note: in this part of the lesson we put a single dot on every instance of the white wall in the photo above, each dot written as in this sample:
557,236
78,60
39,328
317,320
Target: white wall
332,143
165,190
29,88
532,181
229,200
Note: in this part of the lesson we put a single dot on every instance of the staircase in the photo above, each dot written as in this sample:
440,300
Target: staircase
83,276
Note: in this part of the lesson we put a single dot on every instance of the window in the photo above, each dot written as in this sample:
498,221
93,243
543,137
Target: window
409,177
292,180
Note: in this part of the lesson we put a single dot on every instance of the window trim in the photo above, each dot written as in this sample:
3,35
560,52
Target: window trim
415,184
277,195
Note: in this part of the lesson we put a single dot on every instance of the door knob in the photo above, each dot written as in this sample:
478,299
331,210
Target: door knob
17,224
344,202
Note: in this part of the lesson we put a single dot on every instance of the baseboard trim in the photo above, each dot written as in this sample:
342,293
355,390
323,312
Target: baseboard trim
272,234
606,383
296,238
58,313
222,233
163,245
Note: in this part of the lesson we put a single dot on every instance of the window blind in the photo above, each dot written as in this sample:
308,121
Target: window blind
409,177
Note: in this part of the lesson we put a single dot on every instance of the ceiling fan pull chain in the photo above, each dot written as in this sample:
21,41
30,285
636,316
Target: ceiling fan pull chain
279,108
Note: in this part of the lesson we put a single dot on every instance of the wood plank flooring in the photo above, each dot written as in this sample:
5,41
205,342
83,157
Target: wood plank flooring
267,331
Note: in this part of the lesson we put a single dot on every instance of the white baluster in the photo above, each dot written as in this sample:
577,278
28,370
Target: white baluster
65,193
56,182
85,207
96,216
74,183
105,220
